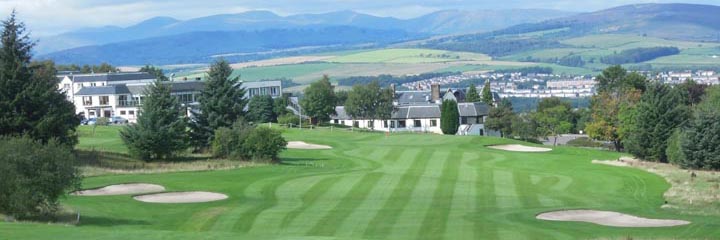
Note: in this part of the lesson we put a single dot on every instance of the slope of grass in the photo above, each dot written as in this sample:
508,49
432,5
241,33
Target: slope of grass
407,55
373,186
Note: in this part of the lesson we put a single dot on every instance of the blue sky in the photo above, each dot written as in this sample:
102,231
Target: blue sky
46,17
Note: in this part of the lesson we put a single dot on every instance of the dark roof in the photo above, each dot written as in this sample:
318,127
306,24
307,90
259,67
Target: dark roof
340,113
413,97
473,109
110,89
112,77
188,86
417,112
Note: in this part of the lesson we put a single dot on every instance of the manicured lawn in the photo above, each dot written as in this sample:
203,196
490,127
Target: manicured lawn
369,186
101,138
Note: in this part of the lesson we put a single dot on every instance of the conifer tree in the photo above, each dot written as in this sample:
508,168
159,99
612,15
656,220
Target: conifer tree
160,131
222,103
449,117
487,96
472,94
30,102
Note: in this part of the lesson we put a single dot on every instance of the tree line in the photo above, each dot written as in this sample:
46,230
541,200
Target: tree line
385,80
637,55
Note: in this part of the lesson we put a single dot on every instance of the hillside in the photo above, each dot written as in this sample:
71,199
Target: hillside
442,22
203,47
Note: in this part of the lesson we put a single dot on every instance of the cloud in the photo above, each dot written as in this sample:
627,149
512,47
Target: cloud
46,17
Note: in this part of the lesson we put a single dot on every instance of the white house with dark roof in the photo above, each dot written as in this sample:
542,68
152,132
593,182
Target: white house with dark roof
72,83
419,111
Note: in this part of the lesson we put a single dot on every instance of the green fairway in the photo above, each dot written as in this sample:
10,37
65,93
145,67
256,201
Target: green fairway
369,186
101,138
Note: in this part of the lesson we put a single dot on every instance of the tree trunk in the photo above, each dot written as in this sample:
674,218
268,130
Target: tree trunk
618,145
555,140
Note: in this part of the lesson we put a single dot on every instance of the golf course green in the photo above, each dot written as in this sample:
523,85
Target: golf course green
373,186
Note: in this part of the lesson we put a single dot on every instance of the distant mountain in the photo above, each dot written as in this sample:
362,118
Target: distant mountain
203,47
689,22
442,22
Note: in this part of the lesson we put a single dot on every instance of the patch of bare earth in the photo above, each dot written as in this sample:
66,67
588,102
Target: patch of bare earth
121,189
304,145
181,197
519,148
607,218
692,191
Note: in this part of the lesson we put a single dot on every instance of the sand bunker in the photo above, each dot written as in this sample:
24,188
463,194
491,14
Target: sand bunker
520,148
612,163
606,218
304,145
181,197
121,189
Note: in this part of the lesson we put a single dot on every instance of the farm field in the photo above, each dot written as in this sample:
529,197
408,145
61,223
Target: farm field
372,186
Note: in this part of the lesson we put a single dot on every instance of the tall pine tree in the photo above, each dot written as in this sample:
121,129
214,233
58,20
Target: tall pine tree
30,102
160,131
449,117
472,94
487,96
222,103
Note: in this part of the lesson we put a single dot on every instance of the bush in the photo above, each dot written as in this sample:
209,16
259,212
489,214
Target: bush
291,120
264,144
102,121
34,176
245,142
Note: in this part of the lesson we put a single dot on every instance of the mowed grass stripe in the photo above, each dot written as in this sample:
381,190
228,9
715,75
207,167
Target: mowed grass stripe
435,221
407,225
386,217
329,224
484,228
358,221
464,200
529,196
309,198
311,215
505,191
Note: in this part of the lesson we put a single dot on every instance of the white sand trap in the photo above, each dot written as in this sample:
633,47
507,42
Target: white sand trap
181,197
606,218
519,148
612,163
121,189
304,145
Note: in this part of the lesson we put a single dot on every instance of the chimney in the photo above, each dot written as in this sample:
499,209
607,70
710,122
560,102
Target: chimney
435,91
392,87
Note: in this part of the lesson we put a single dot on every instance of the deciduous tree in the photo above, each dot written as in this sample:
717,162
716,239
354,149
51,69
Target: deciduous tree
319,101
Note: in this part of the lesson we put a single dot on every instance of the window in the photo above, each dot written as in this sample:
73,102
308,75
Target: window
336,121
385,124
87,101
104,100
356,124
392,124
371,124
433,123
66,86
92,113
401,123
417,123
463,120
342,122
122,112
131,112
92,84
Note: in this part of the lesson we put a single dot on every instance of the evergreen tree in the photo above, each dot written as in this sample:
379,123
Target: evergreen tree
472,94
487,96
319,101
160,131
222,103
501,117
260,109
449,117
700,144
660,110
30,102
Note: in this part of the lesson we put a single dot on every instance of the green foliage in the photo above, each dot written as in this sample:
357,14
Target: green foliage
102,121
102,68
230,142
291,119
246,142
30,103
674,148
385,80
637,55
261,109
280,106
616,79
221,103
487,96
319,101
449,117
472,94
700,142
370,102
692,91
157,72
264,144
553,121
160,131
524,127
660,110
341,97
501,117
34,176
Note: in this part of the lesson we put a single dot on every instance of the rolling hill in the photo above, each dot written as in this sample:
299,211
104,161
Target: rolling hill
442,22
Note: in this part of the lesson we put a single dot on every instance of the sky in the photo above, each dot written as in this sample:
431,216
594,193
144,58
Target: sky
49,17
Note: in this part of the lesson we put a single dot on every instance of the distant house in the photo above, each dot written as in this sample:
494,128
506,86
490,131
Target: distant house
72,83
419,111
262,88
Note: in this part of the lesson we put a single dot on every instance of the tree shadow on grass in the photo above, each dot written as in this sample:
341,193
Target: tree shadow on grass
290,161
108,222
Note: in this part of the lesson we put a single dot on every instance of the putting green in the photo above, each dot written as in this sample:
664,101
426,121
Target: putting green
369,186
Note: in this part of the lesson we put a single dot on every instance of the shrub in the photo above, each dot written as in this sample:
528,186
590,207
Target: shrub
34,176
265,144
102,121
673,151
229,142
